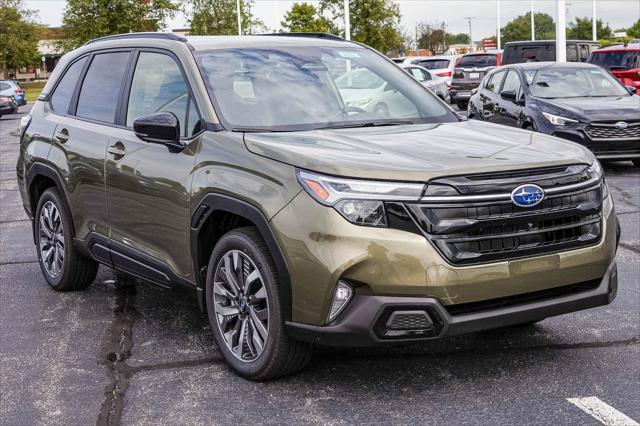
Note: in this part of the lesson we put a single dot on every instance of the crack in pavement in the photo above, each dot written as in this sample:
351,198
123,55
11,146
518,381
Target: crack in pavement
629,247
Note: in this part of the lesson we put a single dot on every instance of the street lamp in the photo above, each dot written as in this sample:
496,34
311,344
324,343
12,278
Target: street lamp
239,17
498,41
594,25
347,23
533,23
561,35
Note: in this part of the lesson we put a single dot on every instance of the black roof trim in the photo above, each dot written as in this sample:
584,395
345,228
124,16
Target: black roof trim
157,35
326,36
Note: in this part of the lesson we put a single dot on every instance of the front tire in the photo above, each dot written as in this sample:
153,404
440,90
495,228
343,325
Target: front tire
462,105
63,267
245,308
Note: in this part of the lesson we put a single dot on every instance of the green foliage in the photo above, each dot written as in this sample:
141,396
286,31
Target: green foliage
582,29
634,30
84,20
519,29
433,37
460,38
219,17
373,22
19,33
304,17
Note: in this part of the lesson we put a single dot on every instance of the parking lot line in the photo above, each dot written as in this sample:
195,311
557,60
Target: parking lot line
605,413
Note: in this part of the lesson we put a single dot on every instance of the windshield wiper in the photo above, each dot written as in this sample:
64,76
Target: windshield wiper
369,124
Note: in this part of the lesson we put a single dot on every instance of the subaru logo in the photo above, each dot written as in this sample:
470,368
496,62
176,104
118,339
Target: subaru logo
527,195
621,125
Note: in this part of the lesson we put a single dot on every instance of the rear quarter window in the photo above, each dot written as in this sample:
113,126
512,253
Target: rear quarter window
619,60
61,98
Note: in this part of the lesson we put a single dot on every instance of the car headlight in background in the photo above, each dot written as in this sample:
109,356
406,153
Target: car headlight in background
595,171
361,202
556,120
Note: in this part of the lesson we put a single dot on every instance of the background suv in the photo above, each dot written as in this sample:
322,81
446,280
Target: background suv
234,166
623,61
468,73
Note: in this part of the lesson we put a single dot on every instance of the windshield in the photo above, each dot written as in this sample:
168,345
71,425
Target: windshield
478,61
616,60
303,88
573,83
434,64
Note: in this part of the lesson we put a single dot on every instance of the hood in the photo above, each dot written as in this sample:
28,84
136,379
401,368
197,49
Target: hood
595,109
416,152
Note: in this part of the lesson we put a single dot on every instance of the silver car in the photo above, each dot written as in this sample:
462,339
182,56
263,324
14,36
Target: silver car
437,85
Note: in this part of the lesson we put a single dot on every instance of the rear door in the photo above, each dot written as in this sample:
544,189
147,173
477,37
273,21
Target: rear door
489,96
147,185
509,112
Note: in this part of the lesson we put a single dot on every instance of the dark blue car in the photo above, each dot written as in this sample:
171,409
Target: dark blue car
579,102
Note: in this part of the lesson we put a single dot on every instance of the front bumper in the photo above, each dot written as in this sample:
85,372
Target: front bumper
364,321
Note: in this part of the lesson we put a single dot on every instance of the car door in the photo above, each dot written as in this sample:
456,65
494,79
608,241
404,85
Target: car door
147,184
82,111
489,96
510,111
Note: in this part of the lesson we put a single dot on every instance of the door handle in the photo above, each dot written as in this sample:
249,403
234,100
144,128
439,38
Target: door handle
62,136
117,150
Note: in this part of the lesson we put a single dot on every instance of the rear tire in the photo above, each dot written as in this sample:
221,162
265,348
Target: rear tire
63,267
246,309
462,105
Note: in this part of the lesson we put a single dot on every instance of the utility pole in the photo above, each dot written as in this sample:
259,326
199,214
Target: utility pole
594,23
239,17
498,35
533,23
561,31
347,22
469,18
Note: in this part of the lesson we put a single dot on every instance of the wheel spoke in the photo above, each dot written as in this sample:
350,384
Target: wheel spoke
260,294
243,332
257,323
218,288
60,237
227,310
258,342
44,228
251,278
230,274
261,314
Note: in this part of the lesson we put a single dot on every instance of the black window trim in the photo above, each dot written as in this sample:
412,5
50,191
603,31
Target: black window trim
57,83
124,99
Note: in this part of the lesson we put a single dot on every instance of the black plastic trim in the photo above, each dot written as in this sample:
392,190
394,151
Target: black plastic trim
40,169
156,35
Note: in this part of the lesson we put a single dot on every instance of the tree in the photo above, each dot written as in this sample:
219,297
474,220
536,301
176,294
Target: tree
219,17
634,30
433,36
582,29
519,28
19,33
304,18
373,22
460,38
84,20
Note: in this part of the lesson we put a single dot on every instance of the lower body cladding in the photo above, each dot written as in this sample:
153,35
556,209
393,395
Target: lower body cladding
603,139
380,320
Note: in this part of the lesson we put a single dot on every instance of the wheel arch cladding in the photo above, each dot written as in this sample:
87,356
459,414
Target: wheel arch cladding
217,214
40,178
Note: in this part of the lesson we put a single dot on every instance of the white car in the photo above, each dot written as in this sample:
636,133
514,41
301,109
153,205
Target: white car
439,66
437,85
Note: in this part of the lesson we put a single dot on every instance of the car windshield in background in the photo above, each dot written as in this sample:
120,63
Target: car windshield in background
616,60
303,88
478,61
434,64
553,83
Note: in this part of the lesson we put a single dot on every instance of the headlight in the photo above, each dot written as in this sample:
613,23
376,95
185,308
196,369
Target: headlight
361,202
595,171
556,120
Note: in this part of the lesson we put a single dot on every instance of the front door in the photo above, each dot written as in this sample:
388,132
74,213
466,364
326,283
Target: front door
148,185
511,111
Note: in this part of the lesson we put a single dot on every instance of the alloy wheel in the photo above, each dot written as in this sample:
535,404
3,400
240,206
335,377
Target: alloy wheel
240,305
51,239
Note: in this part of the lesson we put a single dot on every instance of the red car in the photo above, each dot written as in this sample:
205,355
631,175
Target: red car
623,61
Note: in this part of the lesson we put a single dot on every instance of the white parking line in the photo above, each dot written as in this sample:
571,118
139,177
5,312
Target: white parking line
606,414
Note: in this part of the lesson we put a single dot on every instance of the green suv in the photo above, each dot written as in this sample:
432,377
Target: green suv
301,211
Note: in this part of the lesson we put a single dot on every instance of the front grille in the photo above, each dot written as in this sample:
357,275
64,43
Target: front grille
469,229
608,131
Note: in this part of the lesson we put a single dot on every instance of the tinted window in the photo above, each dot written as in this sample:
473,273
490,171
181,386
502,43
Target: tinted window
471,61
4,86
516,54
61,98
99,94
620,60
584,52
494,82
193,121
434,64
512,82
572,53
158,85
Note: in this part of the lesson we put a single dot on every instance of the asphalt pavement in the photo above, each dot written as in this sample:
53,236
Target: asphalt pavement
127,352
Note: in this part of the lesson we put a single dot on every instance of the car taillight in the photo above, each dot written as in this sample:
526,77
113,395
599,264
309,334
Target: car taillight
19,91
444,74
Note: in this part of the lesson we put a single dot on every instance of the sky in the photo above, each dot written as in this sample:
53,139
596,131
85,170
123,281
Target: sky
617,13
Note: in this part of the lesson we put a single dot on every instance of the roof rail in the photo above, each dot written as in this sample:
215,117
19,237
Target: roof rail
166,36
309,35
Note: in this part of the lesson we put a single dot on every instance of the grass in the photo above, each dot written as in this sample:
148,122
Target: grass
33,89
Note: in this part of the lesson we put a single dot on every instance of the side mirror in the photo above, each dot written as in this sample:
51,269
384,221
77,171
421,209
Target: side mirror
159,127
509,95
474,91
632,89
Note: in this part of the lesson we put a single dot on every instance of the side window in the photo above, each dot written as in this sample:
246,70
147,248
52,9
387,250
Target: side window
512,82
61,98
572,52
584,52
495,81
426,74
98,98
158,85
4,86
417,74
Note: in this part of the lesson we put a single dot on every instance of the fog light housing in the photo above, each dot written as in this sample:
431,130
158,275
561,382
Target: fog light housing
341,297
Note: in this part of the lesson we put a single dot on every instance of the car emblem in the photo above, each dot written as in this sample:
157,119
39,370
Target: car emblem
621,125
527,195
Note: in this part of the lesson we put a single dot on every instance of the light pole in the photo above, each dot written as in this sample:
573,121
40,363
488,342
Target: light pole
533,23
498,41
347,23
561,35
239,17
469,18
594,23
